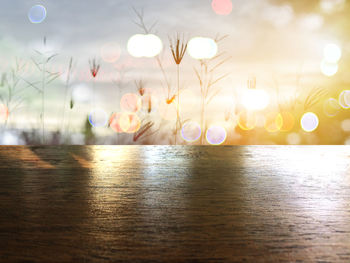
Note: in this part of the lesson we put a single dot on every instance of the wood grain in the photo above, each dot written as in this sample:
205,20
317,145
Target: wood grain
175,204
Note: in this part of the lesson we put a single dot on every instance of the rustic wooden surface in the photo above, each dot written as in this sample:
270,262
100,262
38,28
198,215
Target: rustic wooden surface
175,204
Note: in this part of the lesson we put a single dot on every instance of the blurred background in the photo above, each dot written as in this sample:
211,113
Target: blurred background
206,72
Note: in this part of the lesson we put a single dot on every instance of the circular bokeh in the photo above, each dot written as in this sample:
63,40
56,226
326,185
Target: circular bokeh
191,131
37,14
98,118
216,135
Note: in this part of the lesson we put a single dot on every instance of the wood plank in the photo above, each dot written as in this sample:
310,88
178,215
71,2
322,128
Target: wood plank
175,204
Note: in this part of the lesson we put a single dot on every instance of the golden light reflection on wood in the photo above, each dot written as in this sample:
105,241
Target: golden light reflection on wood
164,203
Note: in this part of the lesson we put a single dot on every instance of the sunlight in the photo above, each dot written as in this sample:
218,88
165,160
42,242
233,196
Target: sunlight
202,48
254,99
332,53
329,69
147,46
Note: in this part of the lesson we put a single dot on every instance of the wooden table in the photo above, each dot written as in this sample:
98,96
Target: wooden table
175,204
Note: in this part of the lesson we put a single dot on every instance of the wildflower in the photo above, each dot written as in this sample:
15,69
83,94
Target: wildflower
94,68
171,100
150,105
143,130
140,87
178,49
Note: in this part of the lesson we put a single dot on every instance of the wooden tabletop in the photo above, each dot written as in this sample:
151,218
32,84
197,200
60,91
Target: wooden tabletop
175,204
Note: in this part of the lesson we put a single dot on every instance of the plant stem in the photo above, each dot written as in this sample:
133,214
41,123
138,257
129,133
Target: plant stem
178,121
65,95
202,120
93,94
43,103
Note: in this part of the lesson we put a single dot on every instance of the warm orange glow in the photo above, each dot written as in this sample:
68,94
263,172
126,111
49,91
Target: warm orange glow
125,122
254,99
273,122
288,121
247,120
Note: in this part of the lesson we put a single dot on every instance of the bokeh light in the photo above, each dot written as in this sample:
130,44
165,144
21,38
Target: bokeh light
288,121
311,22
191,131
216,135
293,139
329,69
202,48
332,53
131,102
37,14
98,118
125,122
4,112
330,6
81,93
344,99
345,125
273,122
147,46
309,122
331,107
114,122
247,120
222,7
255,99
11,138
110,52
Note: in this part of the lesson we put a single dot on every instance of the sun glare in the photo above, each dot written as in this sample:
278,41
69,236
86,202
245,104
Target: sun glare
146,46
202,48
254,99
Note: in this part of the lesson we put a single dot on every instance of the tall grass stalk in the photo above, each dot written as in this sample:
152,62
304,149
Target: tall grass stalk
208,78
66,90
47,77
12,96
178,49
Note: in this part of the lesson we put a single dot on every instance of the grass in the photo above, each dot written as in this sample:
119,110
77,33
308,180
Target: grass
208,75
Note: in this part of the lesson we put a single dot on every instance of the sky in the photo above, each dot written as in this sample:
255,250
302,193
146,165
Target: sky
254,27
270,42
